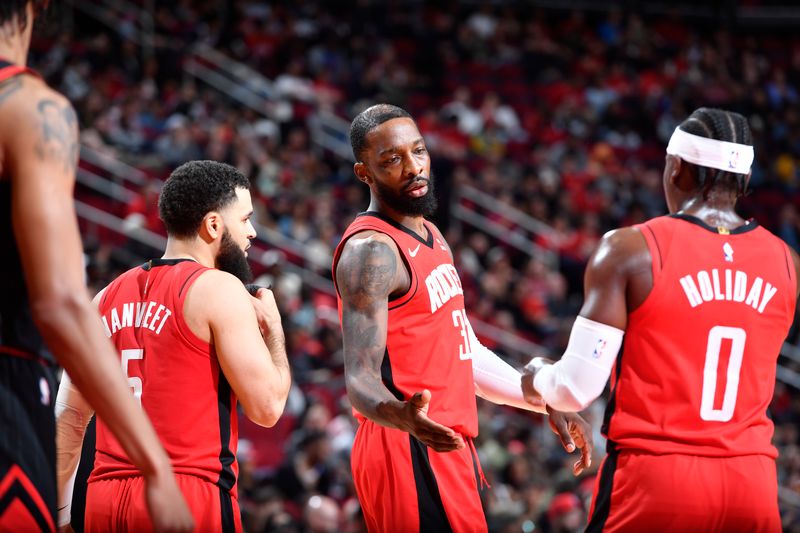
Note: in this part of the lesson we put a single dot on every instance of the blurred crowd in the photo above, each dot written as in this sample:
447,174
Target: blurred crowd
560,115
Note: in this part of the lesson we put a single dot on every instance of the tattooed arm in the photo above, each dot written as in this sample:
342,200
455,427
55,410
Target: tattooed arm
39,139
367,274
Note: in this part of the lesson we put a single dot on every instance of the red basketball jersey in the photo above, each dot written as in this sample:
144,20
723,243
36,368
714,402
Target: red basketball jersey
697,370
174,375
428,341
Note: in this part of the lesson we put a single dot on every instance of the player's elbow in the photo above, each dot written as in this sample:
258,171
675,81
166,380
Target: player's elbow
266,413
267,409
55,312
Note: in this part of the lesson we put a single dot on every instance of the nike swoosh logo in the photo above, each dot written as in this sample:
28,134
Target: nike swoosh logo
413,253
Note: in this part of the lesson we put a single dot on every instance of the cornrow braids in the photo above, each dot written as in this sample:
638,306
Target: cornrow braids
720,125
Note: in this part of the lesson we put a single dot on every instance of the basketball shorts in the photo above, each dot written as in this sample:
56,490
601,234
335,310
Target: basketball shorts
404,486
119,505
685,493
27,445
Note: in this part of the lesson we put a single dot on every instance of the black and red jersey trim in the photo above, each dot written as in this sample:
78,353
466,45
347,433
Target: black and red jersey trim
749,226
408,231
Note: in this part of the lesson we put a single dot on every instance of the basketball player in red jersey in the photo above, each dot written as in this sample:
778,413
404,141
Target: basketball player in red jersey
192,341
45,314
412,362
705,300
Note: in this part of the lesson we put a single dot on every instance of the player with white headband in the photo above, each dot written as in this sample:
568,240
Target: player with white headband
704,300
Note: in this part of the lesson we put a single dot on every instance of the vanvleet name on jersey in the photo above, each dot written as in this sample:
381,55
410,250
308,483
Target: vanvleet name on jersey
150,315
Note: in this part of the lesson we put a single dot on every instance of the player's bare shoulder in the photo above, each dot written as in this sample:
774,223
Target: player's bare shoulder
370,267
623,250
214,286
215,297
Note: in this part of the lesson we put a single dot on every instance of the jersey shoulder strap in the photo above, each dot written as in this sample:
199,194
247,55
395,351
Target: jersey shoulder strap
9,70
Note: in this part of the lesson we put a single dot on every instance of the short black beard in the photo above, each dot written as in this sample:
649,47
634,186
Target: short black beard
405,205
231,259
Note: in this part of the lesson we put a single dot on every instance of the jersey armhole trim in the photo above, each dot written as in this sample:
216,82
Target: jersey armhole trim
656,269
652,243
790,268
789,262
183,329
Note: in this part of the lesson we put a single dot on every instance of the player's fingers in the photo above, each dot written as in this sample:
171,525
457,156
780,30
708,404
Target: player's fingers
421,399
445,446
582,436
586,454
441,435
427,424
442,438
560,427
577,437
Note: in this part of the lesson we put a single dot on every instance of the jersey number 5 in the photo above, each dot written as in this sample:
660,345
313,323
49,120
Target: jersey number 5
737,337
134,382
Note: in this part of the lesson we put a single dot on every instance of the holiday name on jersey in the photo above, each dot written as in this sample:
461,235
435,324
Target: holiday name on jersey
150,315
730,285
442,284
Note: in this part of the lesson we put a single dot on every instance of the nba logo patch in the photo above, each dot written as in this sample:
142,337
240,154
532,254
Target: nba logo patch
733,160
727,250
598,349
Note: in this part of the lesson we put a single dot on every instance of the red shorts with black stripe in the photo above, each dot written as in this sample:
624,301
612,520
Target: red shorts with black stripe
404,486
118,504
685,493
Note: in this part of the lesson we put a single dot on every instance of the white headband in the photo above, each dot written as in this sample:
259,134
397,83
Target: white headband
730,157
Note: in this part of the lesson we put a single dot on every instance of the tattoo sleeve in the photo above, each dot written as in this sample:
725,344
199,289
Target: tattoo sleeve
58,141
366,276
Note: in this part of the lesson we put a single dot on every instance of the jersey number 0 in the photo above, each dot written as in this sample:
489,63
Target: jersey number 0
737,337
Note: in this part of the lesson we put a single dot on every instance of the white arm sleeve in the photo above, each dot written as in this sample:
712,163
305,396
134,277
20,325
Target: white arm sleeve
573,382
73,414
496,380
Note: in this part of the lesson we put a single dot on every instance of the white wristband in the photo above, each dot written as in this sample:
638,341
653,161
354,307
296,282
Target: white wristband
573,382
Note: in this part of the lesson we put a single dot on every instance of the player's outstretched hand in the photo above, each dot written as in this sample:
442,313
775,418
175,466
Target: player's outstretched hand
168,509
574,432
440,438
